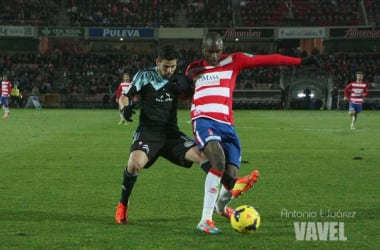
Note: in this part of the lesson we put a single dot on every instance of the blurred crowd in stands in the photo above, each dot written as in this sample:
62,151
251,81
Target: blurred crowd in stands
192,13
83,72
88,74
300,12
29,12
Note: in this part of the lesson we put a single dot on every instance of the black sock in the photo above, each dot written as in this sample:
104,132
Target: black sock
128,183
227,180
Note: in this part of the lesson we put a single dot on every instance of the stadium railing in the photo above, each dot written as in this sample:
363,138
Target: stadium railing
372,101
257,99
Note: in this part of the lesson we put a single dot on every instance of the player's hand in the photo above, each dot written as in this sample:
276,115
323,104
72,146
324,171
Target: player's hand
345,98
127,113
181,84
309,60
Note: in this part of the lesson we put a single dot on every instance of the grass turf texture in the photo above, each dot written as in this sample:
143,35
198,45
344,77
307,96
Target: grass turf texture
61,170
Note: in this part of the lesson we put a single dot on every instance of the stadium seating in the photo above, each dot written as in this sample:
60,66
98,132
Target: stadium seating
300,13
373,11
75,71
183,13
36,12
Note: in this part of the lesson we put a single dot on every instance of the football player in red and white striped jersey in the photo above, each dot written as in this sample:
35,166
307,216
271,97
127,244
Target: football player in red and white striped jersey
123,86
214,79
6,88
122,89
358,90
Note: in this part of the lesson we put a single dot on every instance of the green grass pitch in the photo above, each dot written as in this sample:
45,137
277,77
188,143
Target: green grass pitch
61,170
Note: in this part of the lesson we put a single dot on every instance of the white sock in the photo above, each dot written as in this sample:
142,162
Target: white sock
225,197
211,194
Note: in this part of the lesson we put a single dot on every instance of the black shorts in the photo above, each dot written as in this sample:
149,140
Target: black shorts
156,144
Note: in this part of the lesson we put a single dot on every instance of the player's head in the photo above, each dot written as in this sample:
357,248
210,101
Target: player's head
212,47
167,61
359,76
5,77
126,77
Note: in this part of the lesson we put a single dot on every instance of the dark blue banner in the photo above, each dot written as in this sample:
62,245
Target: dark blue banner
120,33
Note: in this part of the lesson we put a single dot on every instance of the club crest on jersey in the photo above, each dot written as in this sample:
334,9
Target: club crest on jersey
210,132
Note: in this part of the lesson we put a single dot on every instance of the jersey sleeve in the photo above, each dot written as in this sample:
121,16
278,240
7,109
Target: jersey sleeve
347,89
245,60
118,92
365,93
9,87
141,78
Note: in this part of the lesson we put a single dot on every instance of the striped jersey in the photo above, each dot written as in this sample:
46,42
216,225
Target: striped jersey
159,101
6,88
122,89
214,85
357,92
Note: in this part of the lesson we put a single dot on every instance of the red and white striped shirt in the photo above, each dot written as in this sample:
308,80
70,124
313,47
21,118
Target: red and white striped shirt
357,92
6,88
214,85
122,89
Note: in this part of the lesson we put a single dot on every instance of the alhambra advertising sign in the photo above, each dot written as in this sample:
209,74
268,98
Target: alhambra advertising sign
355,33
245,34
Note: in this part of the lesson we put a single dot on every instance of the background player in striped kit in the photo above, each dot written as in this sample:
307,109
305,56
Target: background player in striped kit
358,90
123,89
6,88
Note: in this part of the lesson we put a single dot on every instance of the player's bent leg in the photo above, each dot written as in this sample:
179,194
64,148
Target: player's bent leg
208,227
121,215
243,184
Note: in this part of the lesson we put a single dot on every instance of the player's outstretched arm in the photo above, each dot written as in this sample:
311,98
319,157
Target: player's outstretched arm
281,60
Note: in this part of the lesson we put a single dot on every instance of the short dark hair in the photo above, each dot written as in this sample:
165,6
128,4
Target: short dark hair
212,40
167,52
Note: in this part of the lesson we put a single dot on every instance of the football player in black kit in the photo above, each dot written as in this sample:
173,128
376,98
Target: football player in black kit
157,133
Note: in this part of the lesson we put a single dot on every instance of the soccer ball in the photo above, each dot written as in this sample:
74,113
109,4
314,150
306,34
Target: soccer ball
245,219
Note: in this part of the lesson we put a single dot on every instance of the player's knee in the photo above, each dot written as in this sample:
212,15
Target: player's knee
134,167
